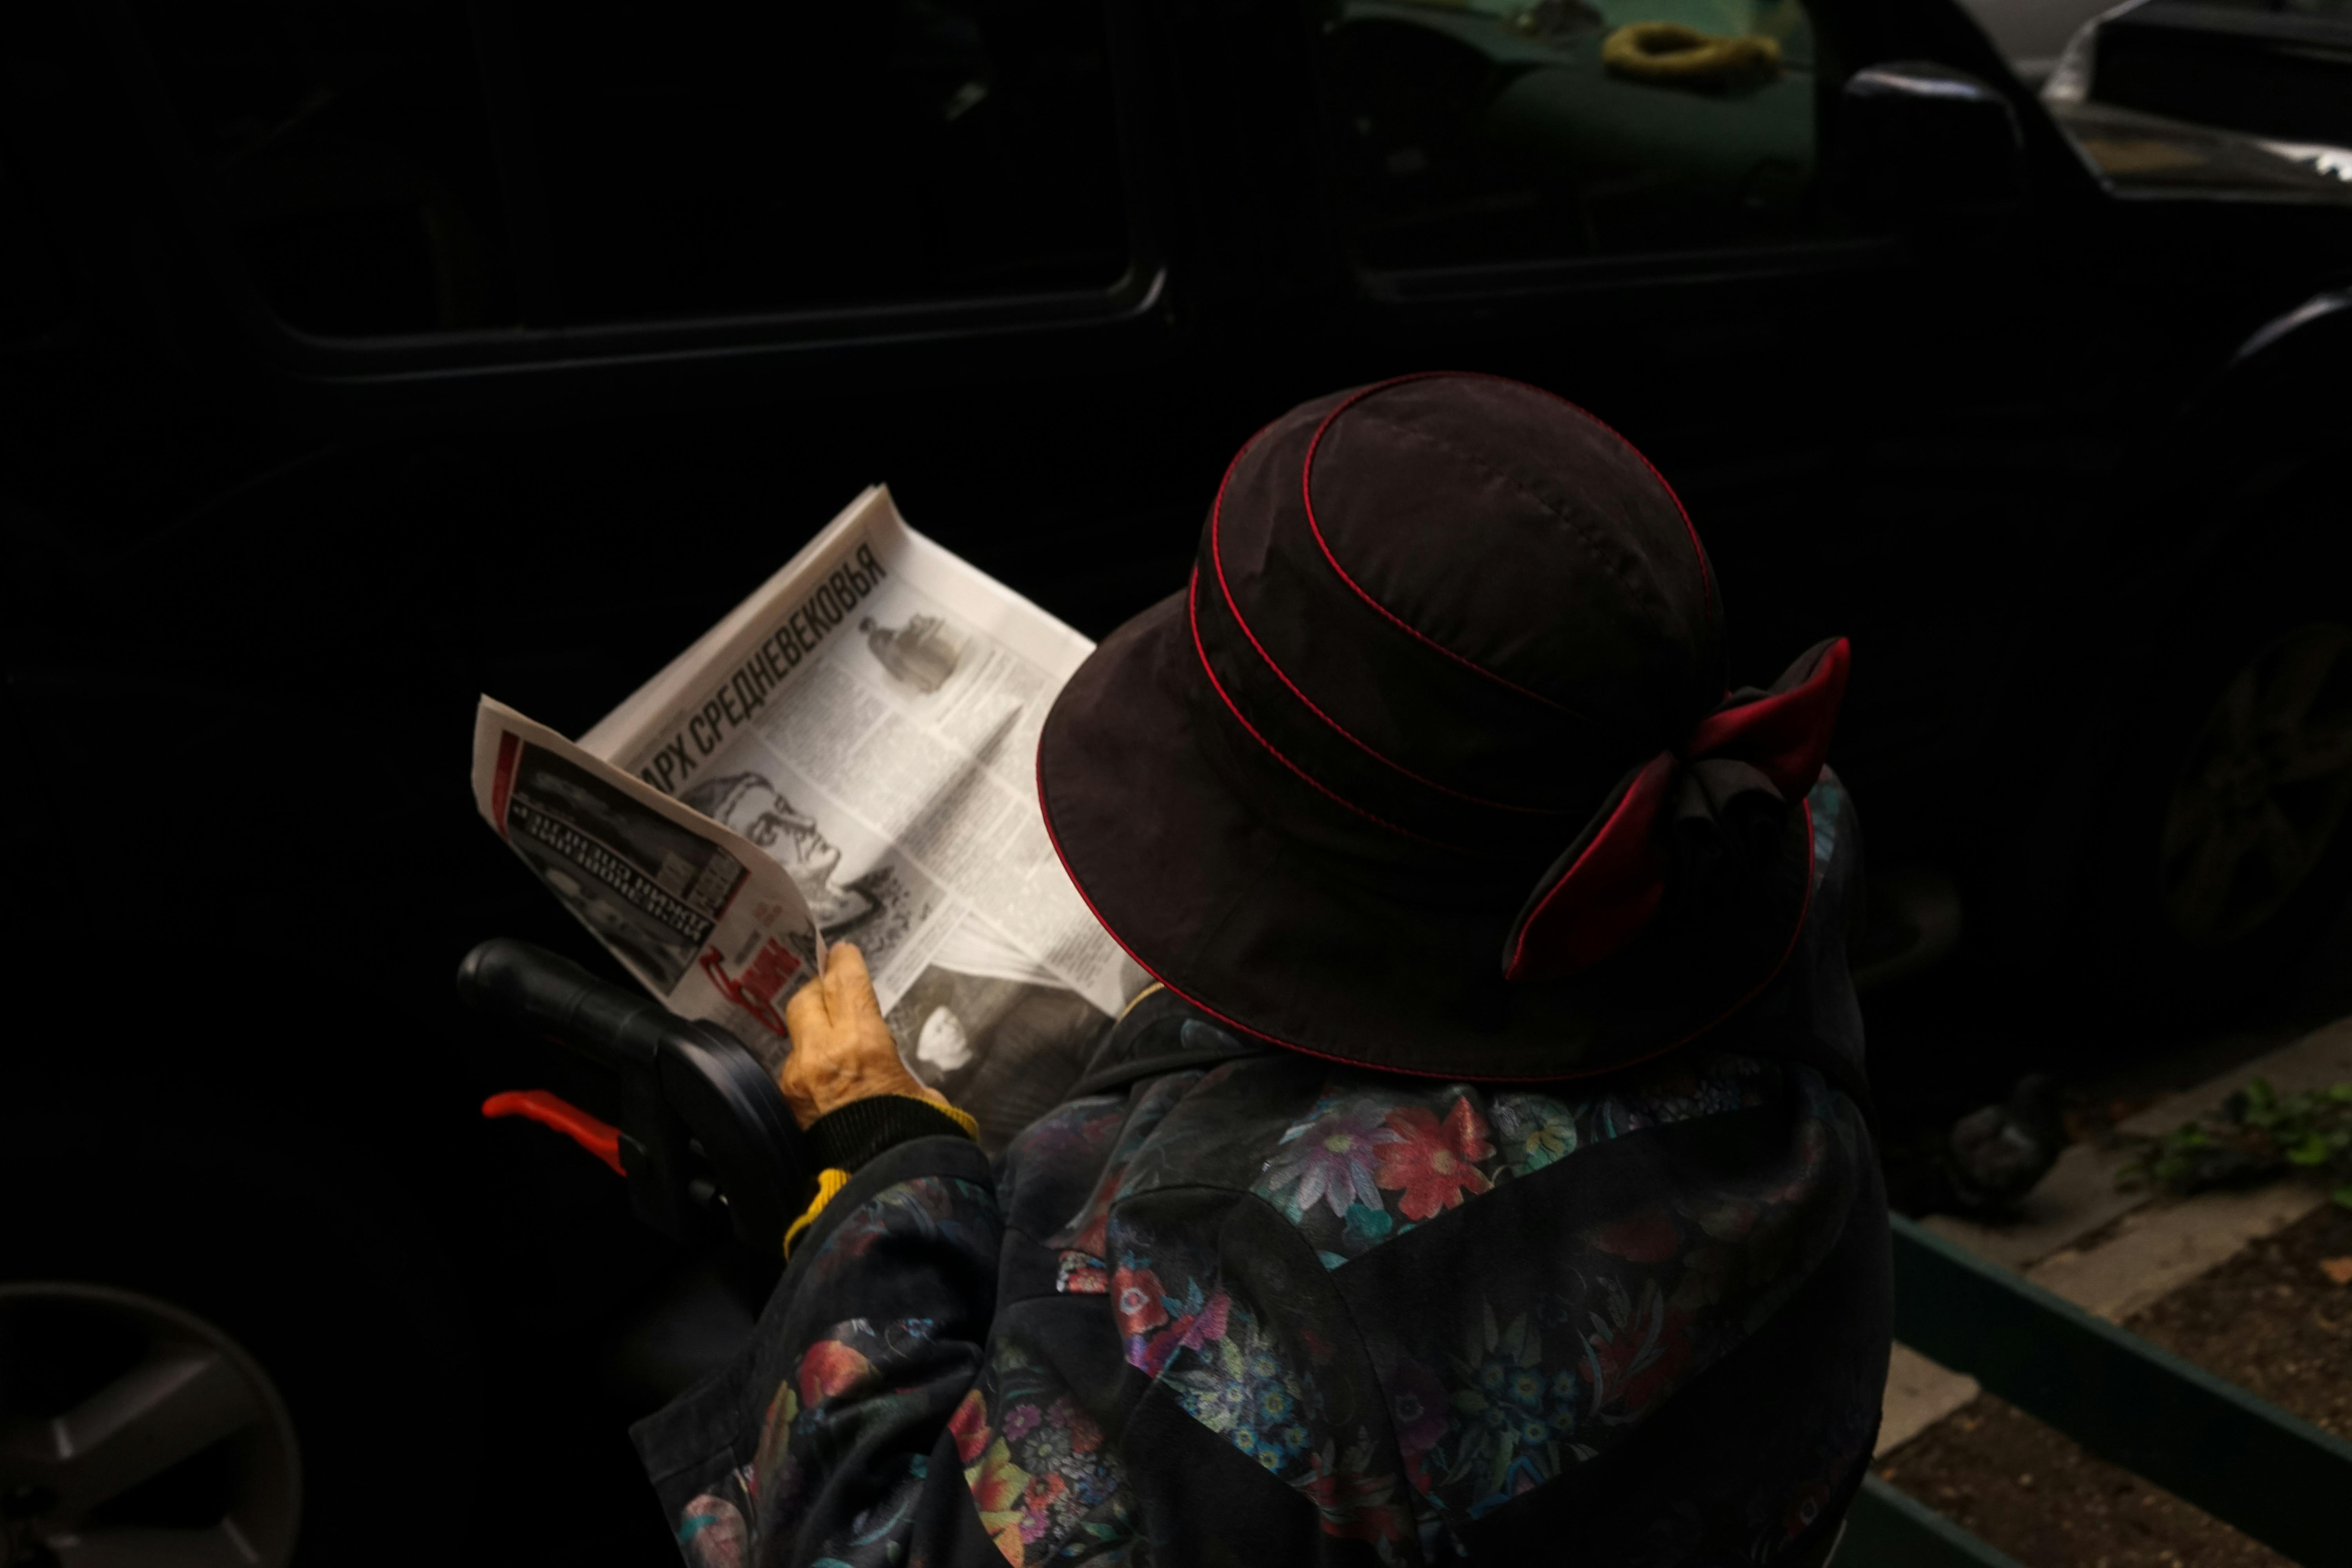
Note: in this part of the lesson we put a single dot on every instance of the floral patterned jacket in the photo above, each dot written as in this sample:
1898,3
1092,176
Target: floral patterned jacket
1252,1307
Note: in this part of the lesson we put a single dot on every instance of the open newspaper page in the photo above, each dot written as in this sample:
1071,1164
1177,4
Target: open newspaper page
869,718
706,921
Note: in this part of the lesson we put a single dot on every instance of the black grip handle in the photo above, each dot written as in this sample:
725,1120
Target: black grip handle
690,1093
538,989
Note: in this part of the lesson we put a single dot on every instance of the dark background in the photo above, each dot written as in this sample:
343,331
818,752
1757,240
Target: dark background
358,361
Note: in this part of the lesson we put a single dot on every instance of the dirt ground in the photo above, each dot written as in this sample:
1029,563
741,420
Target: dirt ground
2271,1320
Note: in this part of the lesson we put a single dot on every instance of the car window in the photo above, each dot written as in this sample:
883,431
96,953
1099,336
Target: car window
430,165
1468,132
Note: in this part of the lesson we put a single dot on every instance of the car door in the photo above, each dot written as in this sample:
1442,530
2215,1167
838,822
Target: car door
411,351
1647,206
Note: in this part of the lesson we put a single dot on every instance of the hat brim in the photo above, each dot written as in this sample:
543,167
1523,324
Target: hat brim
1280,944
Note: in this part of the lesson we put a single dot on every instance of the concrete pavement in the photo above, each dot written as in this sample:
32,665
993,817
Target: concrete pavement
2113,1252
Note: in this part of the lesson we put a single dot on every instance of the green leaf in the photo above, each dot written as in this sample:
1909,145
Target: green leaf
2312,1150
2259,1094
2343,1196
2341,1093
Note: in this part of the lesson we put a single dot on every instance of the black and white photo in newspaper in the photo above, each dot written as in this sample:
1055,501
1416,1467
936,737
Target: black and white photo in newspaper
704,921
869,718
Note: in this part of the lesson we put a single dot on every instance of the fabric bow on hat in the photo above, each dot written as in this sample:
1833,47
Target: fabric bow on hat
1687,815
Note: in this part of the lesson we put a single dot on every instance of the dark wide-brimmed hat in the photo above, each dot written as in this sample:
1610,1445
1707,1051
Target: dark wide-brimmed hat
1432,766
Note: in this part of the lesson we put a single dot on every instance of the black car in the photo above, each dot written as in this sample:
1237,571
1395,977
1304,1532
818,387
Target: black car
362,359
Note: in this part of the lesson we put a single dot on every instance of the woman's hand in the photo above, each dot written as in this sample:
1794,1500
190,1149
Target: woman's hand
842,1050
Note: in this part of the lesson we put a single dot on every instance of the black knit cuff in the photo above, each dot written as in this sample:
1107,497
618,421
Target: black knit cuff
845,1138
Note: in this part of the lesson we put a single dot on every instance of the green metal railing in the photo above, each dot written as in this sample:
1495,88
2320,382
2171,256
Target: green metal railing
2277,1478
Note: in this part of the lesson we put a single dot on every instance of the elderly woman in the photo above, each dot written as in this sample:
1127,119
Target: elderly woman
1487,1174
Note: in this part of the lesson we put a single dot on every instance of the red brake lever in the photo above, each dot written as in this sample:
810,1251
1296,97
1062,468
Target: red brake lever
601,1139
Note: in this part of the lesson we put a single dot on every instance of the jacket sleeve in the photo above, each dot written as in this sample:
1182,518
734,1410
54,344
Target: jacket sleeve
823,1439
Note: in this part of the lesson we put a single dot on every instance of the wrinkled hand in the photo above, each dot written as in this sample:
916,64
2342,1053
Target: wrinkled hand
842,1050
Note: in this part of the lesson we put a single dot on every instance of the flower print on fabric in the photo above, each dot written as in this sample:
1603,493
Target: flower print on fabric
1081,1269
875,1535
1434,1164
1277,1389
1399,1400
831,1368
1705,1085
775,1472
1229,1373
710,1532
1333,1158
838,1387
1513,1412
1355,1497
1048,1482
1176,1155
1236,1385
1078,1133
1531,1131
1634,1349
1142,1300
1073,1473
1081,1274
996,1483
1418,1404
1162,1323
1355,1503
1367,1166
1825,807
928,1208
1653,1295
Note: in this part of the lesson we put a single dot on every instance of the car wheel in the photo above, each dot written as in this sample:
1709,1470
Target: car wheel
2229,845
2260,799
255,1341
138,1432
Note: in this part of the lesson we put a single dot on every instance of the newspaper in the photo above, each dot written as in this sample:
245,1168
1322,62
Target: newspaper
849,754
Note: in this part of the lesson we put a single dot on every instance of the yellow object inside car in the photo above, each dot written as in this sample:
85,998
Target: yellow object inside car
1523,129
1670,52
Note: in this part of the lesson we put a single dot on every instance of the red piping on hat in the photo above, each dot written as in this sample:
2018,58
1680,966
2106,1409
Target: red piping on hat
1796,930
1191,615
1306,493
1217,559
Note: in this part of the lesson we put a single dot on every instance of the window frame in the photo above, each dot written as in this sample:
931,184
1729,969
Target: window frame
853,344
1861,32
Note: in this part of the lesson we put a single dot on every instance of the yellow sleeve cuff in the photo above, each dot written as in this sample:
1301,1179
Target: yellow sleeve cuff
830,1183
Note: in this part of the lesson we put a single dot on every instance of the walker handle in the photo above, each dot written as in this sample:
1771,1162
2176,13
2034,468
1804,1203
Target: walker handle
703,1129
